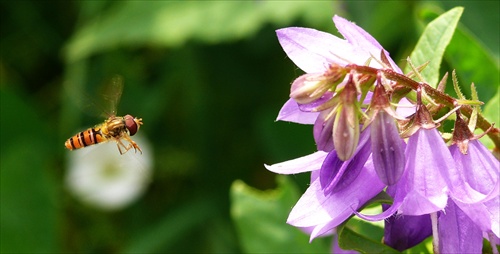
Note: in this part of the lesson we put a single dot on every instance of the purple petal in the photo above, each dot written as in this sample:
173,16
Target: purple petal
404,232
310,107
476,174
336,174
312,50
421,189
457,233
486,215
290,112
322,131
362,41
426,157
405,108
398,192
316,209
307,163
330,174
388,152
323,229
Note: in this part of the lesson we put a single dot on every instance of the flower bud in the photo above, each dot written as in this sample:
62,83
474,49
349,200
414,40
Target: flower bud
346,127
310,87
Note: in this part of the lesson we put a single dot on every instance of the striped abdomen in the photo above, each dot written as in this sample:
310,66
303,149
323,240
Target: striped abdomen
85,138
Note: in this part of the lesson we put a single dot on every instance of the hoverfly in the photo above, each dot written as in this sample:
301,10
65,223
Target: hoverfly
114,128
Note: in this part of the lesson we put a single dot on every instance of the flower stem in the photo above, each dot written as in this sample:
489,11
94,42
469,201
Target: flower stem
435,233
435,94
491,238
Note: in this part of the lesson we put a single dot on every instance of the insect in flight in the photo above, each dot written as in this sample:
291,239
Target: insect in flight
115,128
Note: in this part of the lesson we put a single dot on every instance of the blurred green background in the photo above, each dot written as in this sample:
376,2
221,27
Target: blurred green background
208,78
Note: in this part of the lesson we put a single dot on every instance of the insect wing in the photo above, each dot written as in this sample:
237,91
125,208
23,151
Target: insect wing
111,94
103,102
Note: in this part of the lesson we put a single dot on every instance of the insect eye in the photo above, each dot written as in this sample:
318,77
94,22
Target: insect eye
131,125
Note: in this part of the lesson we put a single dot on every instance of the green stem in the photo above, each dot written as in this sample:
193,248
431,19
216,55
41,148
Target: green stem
436,95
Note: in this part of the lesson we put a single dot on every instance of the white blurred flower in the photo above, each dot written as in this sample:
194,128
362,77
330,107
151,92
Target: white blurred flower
100,177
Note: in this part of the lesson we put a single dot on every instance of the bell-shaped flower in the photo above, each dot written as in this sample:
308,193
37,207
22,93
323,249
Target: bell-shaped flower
424,186
476,181
477,176
457,232
346,126
329,201
387,147
402,232
322,208
323,211
315,52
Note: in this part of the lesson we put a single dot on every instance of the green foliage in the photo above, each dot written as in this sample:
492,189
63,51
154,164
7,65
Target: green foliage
351,240
260,219
432,44
172,23
30,203
183,219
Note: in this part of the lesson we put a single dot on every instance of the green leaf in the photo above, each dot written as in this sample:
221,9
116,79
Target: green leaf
350,240
173,23
473,63
432,43
260,218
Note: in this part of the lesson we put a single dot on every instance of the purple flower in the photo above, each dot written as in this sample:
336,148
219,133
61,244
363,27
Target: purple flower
314,51
387,146
325,212
340,183
402,232
356,161
457,232
480,200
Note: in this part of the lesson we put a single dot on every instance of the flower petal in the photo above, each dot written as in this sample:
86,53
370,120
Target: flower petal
399,195
457,233
315,209
421,189
387,147
362,41
476,174
312,50
336,174
426,157
484,214
290,112
322,131
306,163
404,232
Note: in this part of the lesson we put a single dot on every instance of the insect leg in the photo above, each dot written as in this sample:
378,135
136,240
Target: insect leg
119,144
132,144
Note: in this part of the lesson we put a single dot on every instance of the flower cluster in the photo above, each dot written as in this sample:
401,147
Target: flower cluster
366,146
